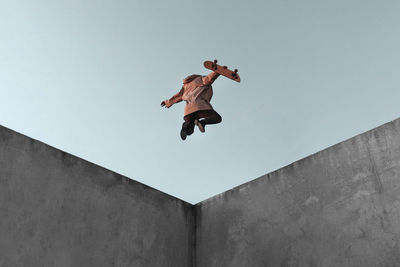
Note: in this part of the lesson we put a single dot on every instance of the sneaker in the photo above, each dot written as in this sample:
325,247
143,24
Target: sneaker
200,125
183,131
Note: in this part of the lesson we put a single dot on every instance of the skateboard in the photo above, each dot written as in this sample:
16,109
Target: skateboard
223,70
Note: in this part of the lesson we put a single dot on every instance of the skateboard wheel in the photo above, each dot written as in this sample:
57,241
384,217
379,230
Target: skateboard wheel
234,74
225,67
215,64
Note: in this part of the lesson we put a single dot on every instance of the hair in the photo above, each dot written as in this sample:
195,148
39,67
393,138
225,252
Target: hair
190,78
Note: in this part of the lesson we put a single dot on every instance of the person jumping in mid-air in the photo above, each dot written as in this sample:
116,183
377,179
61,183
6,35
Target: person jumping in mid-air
197,92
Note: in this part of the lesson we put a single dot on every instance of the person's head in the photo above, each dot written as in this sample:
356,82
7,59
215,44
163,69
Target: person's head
190,78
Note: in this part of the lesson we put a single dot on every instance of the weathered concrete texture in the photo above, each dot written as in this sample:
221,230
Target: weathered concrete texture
59,210
339,207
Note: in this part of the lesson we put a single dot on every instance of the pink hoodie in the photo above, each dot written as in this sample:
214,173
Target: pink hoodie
196,91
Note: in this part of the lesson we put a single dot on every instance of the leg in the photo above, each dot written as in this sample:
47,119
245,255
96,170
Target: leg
189,121
208,117
187,126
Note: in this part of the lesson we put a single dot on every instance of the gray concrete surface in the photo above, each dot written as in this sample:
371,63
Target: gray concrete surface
59,210
339,207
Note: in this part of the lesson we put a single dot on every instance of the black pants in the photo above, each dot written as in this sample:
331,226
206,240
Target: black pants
207,116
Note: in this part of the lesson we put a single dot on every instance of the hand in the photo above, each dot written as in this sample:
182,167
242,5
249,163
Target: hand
164,104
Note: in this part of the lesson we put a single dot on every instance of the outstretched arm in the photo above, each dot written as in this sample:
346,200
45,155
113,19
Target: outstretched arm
210,78
175,99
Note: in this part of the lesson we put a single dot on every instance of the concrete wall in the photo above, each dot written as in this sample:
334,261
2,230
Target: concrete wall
59,210
339,207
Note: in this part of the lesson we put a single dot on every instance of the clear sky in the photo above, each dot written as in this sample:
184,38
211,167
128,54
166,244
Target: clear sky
88,77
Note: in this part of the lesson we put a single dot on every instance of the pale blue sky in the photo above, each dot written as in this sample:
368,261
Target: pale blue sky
87,77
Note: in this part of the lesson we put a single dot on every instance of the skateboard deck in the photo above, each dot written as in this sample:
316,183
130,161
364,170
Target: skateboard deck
223,70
